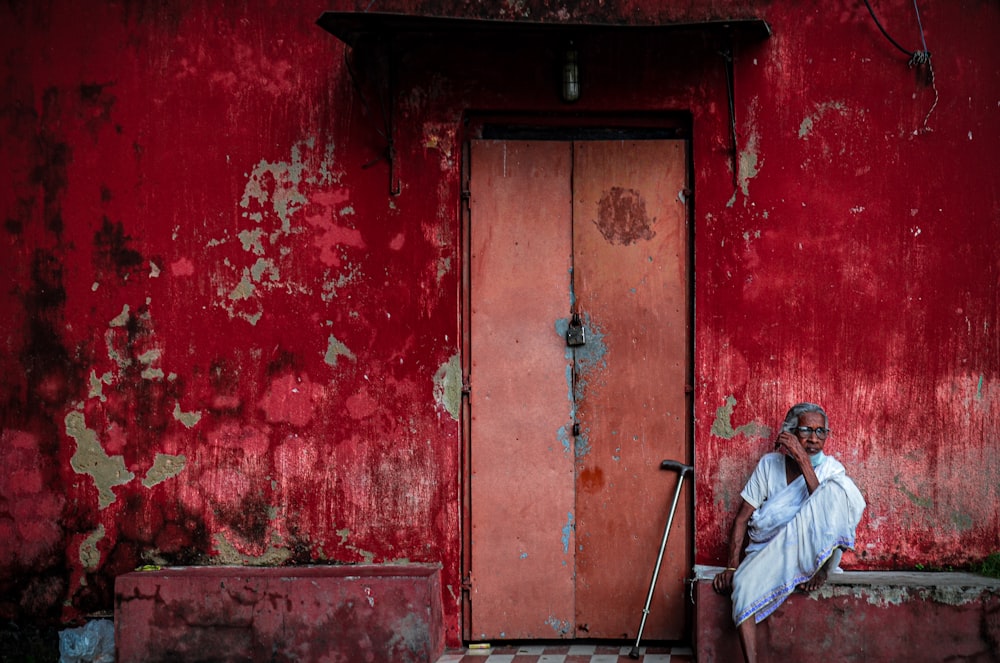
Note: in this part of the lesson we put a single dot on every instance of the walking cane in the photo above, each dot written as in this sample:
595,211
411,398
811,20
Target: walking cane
683,469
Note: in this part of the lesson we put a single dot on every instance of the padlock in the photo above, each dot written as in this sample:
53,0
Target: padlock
576,334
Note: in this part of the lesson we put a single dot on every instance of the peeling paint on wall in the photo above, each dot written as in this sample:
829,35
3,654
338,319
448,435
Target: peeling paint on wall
147,359
567,532
955,589
274,555
808,122
275,193
220,196
164,467
90,556
97,386
723,427
560,626
367,556
274,187
189,419
91,459
448,386
335,349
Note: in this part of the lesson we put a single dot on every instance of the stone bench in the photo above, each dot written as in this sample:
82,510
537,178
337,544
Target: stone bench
370,613
862,616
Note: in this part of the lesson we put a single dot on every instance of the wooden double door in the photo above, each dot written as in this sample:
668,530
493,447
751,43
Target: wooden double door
579,292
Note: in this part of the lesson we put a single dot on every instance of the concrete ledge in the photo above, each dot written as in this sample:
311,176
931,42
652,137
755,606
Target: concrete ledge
863,616
339,614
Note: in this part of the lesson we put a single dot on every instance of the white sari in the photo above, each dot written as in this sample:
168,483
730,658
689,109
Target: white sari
792,535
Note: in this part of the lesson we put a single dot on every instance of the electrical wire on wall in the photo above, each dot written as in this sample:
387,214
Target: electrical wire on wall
920,59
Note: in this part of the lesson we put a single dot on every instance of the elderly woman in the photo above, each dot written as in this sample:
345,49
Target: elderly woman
800,511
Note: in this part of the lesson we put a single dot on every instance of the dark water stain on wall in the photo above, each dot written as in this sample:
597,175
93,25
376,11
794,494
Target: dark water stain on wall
52,158
112,250
51,371
95,107
622,217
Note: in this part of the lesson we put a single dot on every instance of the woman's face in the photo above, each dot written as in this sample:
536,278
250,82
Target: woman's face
812,443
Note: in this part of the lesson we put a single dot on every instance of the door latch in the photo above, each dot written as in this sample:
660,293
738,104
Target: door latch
576,334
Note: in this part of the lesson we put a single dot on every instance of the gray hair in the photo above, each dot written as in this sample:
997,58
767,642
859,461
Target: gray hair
797,410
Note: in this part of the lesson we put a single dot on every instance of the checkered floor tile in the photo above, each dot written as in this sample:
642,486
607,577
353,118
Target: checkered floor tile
576,653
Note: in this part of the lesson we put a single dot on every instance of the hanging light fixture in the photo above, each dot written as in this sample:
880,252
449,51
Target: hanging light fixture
570,74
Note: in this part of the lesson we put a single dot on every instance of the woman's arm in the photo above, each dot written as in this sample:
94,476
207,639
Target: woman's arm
723,582
791,446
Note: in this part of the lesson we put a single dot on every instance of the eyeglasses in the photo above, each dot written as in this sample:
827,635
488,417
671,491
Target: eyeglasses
805,432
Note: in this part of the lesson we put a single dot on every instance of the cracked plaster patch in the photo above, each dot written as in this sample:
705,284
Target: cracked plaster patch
448,386
229,555
274,193
164,467
723,427
90,556
335,349
91,459
189,419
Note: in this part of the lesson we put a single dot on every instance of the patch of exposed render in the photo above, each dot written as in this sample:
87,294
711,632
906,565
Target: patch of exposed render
121,319
723,427
189,419
164,467
229,555
891,595
90,556
443,267
151,372
808,122
448,386
749,163
91,459
335,349
123,361
251,241
273,194
344,534
332,285
243,290
274,187
97,385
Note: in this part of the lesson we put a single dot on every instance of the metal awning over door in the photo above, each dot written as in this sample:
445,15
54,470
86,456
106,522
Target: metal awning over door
353,27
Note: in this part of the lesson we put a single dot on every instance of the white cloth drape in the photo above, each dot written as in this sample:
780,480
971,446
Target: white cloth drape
792,536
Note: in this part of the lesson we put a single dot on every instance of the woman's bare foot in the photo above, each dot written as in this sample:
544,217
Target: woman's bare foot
818,580
815,582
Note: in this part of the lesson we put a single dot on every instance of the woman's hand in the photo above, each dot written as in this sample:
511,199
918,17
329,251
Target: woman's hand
790,445
723,582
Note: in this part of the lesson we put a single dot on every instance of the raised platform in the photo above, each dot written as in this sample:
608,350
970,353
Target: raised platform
863,616
371,613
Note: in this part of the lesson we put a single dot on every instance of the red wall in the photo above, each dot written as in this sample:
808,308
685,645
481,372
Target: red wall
225,342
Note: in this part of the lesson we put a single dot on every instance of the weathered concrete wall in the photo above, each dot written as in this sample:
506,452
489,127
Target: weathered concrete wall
366,612
220,347
225,342
863,616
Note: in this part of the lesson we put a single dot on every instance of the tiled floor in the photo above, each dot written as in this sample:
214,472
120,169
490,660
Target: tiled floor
576,653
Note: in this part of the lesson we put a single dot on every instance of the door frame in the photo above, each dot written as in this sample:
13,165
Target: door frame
556,127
